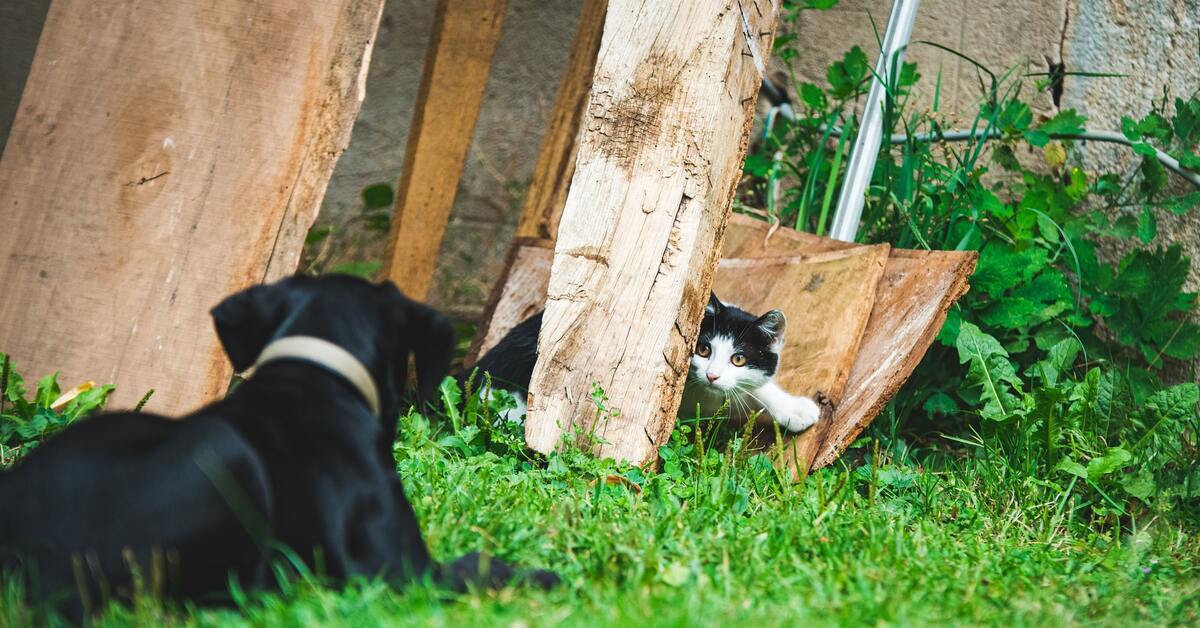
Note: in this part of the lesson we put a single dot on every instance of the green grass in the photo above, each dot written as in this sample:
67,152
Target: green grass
719,538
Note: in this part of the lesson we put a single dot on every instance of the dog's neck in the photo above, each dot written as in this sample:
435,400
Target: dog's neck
327,354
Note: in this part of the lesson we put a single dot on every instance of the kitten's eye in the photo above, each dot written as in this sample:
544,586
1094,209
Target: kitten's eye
738,359
703,350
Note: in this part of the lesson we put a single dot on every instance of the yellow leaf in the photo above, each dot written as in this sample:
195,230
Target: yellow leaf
1055,154
65,398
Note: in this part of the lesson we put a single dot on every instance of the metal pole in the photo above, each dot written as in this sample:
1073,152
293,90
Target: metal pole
870,134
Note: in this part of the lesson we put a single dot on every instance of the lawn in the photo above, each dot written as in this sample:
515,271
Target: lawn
718,537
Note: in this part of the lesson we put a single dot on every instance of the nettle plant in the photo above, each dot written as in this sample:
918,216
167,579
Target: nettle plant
1057,353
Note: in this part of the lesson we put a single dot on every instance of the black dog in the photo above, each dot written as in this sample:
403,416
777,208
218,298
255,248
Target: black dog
299,456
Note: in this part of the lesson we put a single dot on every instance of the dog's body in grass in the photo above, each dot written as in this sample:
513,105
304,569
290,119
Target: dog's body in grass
298,457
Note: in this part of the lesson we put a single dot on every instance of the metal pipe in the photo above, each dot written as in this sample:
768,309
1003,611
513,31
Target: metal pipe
870,135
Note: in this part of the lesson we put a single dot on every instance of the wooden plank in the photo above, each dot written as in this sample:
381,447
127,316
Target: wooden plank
556,162
457,62
668,118
913,296
827,299
917,289
164,155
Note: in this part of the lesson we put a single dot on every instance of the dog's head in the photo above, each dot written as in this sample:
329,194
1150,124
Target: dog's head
376,323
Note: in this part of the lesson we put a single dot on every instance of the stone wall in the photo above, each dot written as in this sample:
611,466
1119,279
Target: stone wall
1156,45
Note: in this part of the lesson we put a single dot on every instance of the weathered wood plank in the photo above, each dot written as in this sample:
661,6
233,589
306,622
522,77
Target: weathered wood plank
918,288
665,132
166,154
547,194
912,297
457,62
827,298
915,292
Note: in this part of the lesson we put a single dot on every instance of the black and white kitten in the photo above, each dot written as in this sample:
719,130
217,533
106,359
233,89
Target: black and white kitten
735,360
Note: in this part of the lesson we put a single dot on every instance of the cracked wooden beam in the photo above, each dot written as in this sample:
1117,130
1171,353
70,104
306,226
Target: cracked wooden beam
658,163
166,154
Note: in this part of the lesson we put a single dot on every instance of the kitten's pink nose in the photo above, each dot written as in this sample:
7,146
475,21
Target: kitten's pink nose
711,378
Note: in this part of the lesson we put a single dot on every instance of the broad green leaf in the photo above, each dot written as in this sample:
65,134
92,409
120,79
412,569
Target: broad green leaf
812,96
1014,118
1174,403
47,390
1147,225
1112,460
973,344
1072,467
1140,485
848,76
991,372
940,403
1154,176
1002,268
1066,121
378,196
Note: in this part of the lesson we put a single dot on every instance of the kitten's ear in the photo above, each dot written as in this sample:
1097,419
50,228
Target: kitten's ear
714,306
774,323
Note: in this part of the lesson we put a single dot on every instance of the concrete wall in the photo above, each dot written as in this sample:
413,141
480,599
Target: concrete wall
1156,45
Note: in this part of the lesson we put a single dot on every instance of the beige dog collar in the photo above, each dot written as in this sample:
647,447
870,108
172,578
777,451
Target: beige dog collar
326,354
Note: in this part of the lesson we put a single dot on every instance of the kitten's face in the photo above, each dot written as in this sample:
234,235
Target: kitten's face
736,351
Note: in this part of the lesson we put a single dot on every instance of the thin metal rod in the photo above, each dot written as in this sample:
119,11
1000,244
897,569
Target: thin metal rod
870,135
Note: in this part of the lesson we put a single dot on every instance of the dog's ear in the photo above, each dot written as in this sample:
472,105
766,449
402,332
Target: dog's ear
246,321
433,347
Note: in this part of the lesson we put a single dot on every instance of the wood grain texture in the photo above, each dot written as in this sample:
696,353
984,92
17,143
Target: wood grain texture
918,288
165,155
660,156
915,291
912,296
457,62
547,194
827,299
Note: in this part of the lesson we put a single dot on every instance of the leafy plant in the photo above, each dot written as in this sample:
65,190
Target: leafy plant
1051,329
24,423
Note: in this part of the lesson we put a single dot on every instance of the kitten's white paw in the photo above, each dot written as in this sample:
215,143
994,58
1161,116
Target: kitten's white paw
799,414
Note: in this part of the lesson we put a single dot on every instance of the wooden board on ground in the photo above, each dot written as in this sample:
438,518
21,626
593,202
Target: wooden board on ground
916,291
827,299
165,155
457,63
668,119
911,299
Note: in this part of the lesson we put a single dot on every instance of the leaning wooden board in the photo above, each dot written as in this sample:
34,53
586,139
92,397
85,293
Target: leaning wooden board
164,155
914,291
